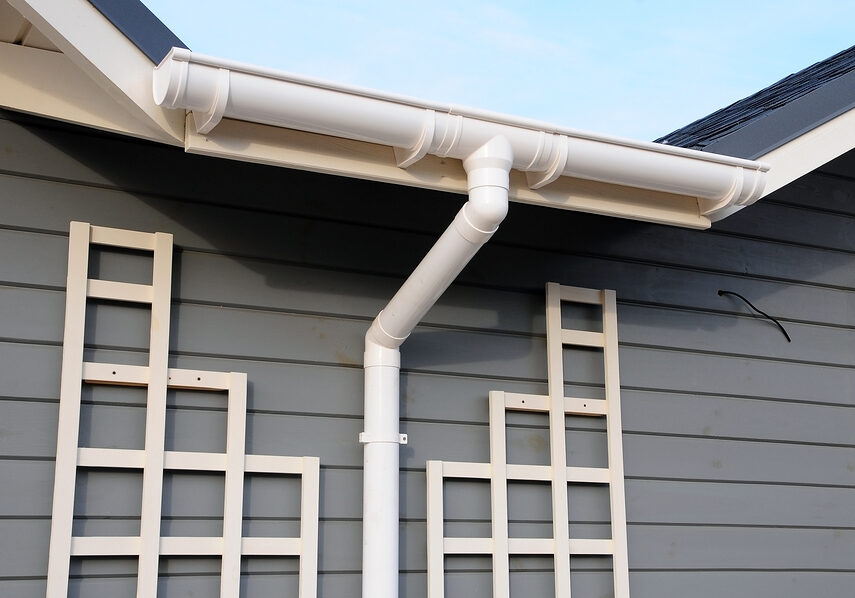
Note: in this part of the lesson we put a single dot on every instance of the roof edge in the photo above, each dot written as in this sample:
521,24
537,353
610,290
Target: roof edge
777,114
140,26
790,121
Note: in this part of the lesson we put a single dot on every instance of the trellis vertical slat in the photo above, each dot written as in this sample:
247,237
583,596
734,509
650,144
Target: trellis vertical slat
499,495
69,411
435,532
614,427
233,499
557,442
309,527
155,424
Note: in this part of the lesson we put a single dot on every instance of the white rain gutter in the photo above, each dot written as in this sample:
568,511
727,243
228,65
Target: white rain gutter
490,146
213,89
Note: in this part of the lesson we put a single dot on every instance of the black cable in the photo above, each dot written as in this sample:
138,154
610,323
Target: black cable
759,311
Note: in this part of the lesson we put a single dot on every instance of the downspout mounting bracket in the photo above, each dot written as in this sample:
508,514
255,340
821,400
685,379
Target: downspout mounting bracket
365,438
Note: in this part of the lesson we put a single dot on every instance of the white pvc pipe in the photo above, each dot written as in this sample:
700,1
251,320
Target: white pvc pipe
213,88
380,510
487,169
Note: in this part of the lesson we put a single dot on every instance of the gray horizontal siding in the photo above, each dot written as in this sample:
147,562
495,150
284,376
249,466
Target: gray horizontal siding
651,547
647,455
257,335
313,290
739,450
701,584
289,237
646,411
650,501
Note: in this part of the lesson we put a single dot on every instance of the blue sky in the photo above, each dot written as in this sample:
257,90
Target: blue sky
633,68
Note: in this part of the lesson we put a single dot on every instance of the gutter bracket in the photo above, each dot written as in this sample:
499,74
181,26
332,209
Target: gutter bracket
536,180
206,121
451,134
409,156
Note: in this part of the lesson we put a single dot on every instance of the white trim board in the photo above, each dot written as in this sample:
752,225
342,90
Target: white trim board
49,84
107,57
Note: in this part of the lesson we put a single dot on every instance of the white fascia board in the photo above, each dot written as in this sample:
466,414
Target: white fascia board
214,89
275,146
106,56
810,151
48,84
804,154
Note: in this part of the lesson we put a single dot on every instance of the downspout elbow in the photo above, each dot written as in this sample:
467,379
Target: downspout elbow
488,172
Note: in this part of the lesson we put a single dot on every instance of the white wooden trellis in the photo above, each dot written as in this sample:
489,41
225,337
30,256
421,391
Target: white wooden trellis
499,471
156,377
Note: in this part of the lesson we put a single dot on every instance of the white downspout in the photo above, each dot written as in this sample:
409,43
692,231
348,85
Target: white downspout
487,170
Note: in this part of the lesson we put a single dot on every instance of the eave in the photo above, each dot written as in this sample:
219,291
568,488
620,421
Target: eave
795,125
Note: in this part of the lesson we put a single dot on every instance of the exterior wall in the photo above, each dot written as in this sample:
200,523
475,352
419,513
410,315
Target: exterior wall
739,449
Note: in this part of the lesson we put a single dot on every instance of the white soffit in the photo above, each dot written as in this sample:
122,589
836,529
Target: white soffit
111,89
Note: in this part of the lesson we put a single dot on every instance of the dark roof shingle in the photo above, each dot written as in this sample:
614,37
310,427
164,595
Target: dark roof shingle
139,25
794,105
